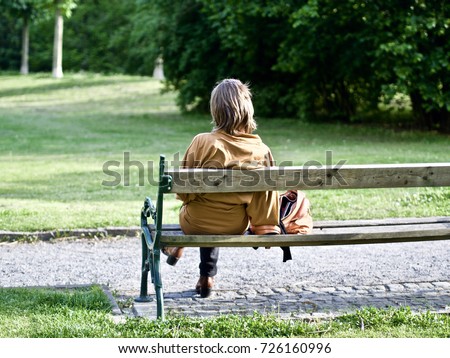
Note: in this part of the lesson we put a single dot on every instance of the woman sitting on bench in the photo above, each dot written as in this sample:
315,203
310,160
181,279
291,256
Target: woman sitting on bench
230,145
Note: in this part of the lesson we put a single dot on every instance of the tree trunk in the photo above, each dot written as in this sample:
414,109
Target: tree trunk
25,45
57,44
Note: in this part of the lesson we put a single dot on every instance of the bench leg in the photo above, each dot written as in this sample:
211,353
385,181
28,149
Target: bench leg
157,281
143,296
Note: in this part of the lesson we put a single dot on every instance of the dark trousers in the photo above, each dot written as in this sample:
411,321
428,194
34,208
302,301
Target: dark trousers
208,261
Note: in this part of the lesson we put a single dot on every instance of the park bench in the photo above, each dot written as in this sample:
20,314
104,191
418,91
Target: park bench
346,232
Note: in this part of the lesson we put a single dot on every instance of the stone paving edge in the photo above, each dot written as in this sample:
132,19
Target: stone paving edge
10,236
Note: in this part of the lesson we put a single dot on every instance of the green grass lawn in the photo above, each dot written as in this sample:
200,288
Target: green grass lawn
56,136
86,312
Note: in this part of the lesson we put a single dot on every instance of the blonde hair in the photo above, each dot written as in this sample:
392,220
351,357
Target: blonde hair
231,107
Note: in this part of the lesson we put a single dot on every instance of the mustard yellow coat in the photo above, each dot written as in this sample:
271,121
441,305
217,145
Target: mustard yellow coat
228,213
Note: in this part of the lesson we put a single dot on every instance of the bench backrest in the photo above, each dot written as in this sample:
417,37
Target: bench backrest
302,178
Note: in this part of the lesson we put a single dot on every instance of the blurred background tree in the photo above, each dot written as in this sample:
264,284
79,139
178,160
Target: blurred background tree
26,11
311,59
62,8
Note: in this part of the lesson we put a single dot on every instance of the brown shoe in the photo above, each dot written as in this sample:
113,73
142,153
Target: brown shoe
204,286
173,253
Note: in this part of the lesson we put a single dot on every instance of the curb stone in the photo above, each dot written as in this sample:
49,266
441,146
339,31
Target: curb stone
10,236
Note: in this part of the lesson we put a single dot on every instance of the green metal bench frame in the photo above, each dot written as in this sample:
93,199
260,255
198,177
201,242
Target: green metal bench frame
151,242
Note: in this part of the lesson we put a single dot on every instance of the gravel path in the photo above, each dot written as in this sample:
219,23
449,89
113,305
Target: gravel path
116,262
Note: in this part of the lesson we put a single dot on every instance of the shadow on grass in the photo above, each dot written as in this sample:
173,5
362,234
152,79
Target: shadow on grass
63,84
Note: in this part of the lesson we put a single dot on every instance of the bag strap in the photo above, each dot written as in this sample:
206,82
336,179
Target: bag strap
286,249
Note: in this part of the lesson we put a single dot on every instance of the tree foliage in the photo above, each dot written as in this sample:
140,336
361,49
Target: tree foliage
97,36
26,11
311,58
204,41
414,57
23,8
304,58
9,45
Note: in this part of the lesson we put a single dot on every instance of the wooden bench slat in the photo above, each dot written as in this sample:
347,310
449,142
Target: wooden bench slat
334,236
303,178
387,221
351,223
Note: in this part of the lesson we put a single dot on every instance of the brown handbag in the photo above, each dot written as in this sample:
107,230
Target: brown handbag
295,217
295,213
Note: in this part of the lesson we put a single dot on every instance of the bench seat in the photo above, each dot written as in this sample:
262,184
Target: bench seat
345,232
